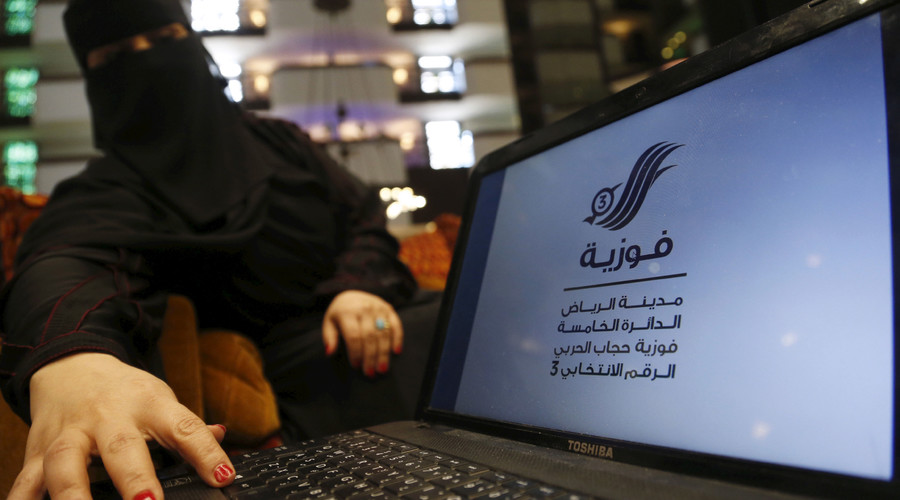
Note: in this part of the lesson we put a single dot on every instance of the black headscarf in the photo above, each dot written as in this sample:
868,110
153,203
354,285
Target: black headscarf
201,160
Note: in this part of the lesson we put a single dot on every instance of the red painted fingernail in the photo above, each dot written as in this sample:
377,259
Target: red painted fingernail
145,495
382,367
398,349
223,472
220,426
329,349
370,372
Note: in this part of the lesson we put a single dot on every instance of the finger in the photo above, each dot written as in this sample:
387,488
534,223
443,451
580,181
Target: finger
196,443
396,332
128,463
65,466
371,339
351,331
383,355
218,431
329,336
30,481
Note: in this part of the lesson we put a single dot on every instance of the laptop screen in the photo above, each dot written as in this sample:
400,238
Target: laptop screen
712,273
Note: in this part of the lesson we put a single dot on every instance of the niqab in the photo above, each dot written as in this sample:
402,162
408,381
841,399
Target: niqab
200,160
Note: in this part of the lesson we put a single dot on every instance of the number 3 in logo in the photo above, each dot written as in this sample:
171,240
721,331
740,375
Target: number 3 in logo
603,201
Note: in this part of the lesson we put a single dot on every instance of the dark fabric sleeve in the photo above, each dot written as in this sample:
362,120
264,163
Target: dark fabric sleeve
77,300
367,259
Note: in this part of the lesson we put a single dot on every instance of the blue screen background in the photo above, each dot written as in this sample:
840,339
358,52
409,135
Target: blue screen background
778,213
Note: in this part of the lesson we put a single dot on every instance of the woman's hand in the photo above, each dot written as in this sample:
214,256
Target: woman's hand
369,326
91,404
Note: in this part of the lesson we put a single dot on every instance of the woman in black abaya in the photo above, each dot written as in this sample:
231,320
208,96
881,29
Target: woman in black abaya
243,215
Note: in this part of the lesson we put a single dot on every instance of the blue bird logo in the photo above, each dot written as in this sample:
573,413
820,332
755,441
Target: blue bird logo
614,216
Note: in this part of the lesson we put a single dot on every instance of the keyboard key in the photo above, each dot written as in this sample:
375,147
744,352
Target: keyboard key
429,492
372,495
521,484
314,492
544,491
405,486
321,476
452,481
371,471
405,447
497,477
335,481
257,493
387,477
348,490
433,472
498,493
285,481
474,489
471,468
430,455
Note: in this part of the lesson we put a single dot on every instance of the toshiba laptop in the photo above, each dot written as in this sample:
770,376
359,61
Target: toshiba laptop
686,290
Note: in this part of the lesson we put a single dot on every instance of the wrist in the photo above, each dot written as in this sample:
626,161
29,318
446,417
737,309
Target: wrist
66,373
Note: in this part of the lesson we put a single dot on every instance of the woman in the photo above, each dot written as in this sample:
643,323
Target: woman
243,215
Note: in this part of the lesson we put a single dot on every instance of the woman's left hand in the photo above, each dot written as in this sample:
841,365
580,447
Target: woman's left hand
369,326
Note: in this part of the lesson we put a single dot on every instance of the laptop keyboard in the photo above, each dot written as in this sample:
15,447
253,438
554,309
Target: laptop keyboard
360,465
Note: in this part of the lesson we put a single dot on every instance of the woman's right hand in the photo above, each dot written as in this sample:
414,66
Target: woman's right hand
91,404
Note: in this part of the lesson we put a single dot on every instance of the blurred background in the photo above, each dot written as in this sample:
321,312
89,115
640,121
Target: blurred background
407,94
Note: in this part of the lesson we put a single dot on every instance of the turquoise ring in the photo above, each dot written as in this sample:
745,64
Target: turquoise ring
381,324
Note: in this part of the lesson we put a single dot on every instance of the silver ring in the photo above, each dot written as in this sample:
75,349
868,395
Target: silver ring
381,324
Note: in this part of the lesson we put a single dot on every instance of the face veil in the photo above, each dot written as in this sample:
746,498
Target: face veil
162,112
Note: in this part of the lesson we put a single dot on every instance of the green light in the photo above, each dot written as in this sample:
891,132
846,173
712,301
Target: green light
20,165
21,77
20,103
20,92
19,16
19,26
23,7
20,152
21,177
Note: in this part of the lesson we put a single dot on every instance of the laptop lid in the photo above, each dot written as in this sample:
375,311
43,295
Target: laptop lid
696,274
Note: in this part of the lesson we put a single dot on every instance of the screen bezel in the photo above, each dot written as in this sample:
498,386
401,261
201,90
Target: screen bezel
794,28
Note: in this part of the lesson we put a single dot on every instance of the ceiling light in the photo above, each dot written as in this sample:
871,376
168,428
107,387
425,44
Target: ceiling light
619,27
401,76
261,84
394,15
435,62
258,18
407,141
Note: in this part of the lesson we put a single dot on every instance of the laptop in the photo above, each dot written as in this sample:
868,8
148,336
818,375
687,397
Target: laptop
683,291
